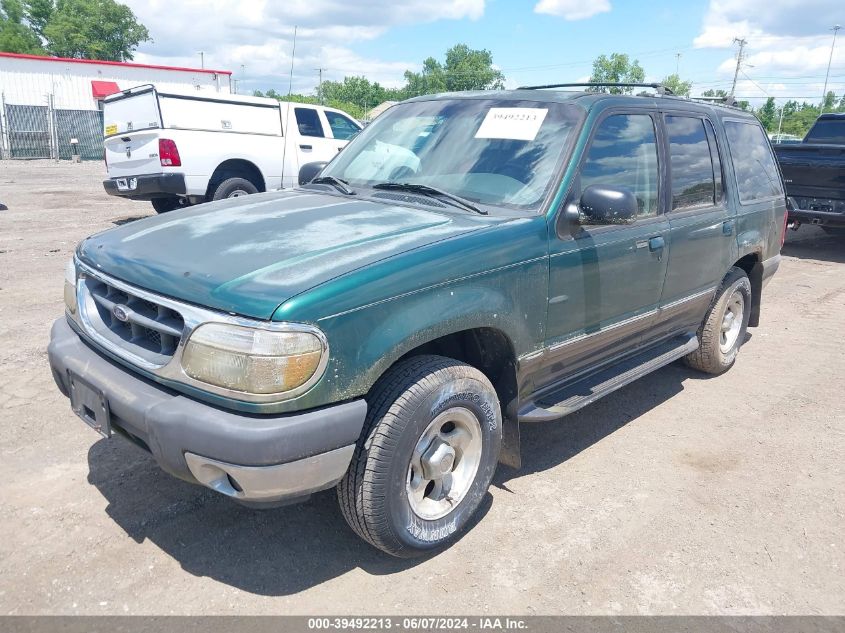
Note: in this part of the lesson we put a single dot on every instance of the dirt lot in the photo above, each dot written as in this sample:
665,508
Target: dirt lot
678,494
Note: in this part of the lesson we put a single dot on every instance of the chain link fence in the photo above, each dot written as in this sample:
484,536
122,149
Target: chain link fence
43,131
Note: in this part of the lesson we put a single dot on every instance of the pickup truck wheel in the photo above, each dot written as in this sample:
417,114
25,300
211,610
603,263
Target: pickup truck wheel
234,188
723,331
425,458
163,205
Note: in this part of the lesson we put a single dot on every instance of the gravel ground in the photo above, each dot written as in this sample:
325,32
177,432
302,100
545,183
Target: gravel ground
679,494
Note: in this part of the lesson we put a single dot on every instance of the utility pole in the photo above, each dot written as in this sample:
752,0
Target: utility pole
678,64
742,42
320,85
202,59
835,30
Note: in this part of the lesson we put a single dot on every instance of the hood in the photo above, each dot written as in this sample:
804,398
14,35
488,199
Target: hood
249,255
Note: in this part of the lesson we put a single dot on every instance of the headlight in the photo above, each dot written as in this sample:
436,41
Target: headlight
70,287
252,360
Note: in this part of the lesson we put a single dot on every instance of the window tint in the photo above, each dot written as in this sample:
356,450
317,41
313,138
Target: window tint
342,127
827,131
717,162
624,154
308,122
756,173
692,166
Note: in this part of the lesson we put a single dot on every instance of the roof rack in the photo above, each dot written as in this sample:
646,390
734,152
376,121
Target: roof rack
660,88
728,100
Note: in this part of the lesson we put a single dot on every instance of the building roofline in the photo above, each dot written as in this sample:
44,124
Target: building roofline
111,63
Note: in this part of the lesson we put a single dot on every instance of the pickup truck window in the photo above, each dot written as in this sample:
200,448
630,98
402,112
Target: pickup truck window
499,152
693,184
757,174
308,122
342,128
827,131
623,153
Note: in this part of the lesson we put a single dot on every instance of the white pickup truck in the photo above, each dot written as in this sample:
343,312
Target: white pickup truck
182,149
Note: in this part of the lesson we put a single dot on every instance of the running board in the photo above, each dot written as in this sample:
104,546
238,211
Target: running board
587,390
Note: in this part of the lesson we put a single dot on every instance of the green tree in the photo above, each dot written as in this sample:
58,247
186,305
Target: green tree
16,36
829,102
677,85
93,29
618,68
464,69
768,115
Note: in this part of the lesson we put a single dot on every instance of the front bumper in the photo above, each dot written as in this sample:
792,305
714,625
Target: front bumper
256,459
148,186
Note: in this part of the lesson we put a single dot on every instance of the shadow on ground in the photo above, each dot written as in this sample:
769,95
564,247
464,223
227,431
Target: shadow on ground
810,242
286,550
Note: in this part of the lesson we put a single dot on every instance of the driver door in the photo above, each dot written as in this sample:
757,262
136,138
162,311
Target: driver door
606,280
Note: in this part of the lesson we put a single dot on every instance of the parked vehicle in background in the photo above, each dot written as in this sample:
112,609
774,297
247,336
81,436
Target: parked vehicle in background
785,139
182,149
471,262
814,174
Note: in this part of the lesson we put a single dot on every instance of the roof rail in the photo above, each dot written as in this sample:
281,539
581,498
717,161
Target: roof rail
728,100
660,88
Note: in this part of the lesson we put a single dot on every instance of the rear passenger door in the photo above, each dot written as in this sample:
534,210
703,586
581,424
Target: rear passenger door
701,222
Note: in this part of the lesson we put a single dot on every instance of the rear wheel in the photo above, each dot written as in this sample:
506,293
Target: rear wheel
234,188
163,205
425,458
723,331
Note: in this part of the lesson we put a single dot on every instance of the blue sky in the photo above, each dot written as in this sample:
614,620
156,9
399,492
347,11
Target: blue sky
532,41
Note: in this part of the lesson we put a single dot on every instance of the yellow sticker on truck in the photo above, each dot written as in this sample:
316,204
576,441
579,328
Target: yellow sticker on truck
111,129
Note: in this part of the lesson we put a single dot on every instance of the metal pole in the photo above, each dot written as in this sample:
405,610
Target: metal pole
2,126
780,125
742,42
202,59
835,30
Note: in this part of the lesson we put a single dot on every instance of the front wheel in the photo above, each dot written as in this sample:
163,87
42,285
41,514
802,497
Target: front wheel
425,458
723,331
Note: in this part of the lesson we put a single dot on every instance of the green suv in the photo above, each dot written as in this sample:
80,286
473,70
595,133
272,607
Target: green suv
468,263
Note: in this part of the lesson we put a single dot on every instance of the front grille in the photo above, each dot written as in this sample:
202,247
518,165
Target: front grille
143,328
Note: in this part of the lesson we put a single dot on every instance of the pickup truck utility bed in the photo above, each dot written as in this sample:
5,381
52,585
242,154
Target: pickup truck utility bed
814,174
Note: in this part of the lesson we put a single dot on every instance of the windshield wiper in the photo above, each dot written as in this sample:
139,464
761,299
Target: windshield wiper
337,183
432,192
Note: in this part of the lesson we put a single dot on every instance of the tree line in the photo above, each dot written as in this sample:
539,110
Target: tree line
80,29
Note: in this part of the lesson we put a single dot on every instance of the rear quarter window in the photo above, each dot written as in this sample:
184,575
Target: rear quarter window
757,176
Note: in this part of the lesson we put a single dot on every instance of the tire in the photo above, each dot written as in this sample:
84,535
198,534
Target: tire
233,188
721,335
388,497
163,205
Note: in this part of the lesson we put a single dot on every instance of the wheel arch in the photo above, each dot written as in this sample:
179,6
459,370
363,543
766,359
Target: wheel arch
491,351
236,168
752,264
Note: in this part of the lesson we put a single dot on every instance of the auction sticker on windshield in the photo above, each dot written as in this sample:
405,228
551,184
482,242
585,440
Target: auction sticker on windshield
519,124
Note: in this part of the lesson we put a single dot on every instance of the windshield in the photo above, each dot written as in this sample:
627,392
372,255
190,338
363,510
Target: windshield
491,151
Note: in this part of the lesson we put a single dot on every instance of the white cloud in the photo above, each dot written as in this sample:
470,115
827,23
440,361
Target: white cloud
573,9
788,48
259,35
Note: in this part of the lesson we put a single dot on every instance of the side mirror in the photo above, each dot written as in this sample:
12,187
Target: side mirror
601,204
309,171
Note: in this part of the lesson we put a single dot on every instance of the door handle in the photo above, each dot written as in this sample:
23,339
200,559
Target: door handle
656,245
728,227
305,147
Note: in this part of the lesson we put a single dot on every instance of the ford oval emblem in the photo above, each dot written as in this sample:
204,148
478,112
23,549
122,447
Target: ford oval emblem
121,313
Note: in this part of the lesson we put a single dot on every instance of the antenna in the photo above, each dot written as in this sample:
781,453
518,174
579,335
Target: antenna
287,114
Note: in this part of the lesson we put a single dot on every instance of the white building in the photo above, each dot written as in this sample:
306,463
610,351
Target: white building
46,101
